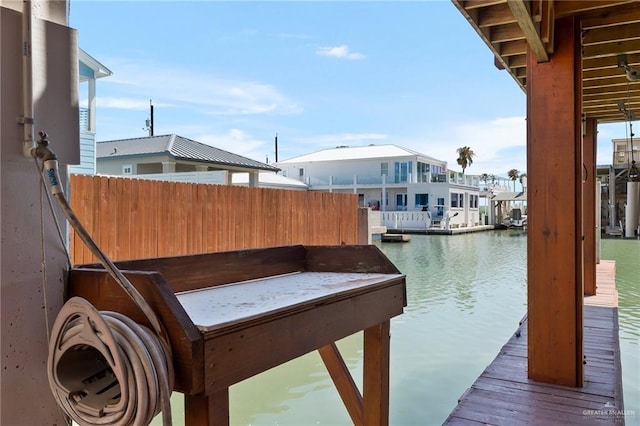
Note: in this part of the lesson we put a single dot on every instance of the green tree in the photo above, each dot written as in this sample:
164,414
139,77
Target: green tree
522,176
484,178
514,174
465,157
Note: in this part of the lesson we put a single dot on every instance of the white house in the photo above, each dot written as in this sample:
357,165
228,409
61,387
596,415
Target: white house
413,191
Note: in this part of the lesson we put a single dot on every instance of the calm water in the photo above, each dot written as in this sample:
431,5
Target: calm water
466,294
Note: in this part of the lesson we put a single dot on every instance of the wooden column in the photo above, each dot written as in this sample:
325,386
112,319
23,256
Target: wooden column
590,210
554,242
207,410
375,386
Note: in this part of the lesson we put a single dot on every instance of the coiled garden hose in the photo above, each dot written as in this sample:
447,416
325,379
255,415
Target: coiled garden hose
105,369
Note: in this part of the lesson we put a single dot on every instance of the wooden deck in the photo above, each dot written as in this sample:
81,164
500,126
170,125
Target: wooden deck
503,395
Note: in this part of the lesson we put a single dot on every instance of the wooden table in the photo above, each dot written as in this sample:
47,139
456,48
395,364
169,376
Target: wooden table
232,315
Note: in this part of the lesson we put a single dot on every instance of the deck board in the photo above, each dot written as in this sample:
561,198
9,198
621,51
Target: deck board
504,395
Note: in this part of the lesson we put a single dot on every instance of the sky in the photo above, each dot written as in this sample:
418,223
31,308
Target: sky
318,74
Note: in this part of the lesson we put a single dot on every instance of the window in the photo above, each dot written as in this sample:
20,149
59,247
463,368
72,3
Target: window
423,172
127,169
301,172
461,203
454,200
384,169
402,171
422,199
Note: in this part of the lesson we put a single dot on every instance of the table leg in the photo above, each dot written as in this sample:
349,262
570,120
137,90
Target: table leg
207,410
376,375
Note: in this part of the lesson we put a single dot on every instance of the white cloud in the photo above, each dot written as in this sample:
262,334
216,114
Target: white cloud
499,144
339,52
236,141
186,88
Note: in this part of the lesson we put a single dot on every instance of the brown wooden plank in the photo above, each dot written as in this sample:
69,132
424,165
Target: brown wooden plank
375,401
184,273
555,227
344,382
353,258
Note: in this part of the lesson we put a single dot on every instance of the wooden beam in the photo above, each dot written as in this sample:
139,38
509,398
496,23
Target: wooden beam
573,7
620,15
614,34
621,94
474,4
619,79
518,61
376,375
508,32
611,49
589,146
344,382
512,48
495,15
521,12
608,62
554,242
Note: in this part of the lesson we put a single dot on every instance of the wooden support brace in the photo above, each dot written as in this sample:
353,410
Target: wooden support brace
344,382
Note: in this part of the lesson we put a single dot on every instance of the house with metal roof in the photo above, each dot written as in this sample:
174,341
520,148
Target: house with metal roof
162,156
414,191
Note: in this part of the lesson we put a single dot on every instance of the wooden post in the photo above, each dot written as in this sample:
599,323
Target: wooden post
375,396
363,226
590,210
554,243
207,410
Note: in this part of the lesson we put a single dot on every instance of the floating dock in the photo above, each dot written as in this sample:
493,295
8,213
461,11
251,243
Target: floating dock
395,238
442,231
504,395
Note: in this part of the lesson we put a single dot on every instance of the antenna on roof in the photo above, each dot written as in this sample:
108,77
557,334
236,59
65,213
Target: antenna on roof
276,147
149,121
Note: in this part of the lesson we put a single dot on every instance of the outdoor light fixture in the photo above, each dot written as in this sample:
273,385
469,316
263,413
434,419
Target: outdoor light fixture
633,74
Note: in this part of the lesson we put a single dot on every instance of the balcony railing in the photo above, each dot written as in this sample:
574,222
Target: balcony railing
352,180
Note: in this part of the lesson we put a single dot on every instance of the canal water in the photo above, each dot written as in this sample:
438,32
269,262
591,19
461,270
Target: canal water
466,295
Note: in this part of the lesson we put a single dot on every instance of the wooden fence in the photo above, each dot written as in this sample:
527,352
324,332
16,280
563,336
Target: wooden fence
135,218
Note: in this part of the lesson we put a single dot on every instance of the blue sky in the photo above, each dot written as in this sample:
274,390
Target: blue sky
319,74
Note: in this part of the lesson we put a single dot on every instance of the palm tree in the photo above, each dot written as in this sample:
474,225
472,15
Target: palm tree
484,178
522,176
465,157
513,175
